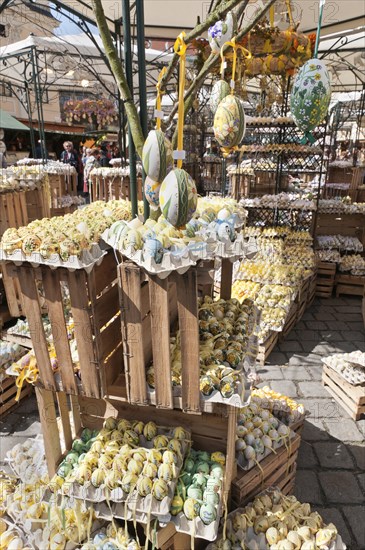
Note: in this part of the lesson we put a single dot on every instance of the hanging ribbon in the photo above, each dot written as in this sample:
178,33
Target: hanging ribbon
180,49
290,14
235,47
321,6
272,15
28,374
158,112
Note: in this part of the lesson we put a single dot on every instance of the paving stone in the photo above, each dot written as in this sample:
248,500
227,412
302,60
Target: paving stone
311,335
345,430
33,429
341,487
360,424
319,348
306,457
361,480
348,309
293,335
28,405
277,358
304,359
316,373
291,346
312,389
7,425
352,335
351,317
307,487
7,443
355,326
326,316
286,387
336,325
333,515
324,408
316,325
296,373
355,517
307,316
333,454
314,430
359,454
331,336
270,372
360,345
301,325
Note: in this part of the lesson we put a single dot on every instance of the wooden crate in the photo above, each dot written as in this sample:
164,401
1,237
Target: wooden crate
37,203
110,187
149,308
61,185
341,224
349,284
13,210
266,348
275,470
351,398
312,290
290,322
95,311
325,279
8,391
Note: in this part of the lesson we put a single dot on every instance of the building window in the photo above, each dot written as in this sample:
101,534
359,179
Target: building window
5,89
75,96
3,31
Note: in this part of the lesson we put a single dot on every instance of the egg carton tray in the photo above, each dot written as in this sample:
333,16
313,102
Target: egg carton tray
19,532
128,511
248,465
250,537
135,503
181,260
353,373
15,465
87,260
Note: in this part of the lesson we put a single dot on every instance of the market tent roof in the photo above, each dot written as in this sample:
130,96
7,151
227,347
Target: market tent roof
8,122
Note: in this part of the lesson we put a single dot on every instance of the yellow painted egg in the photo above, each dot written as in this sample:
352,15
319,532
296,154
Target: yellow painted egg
229,122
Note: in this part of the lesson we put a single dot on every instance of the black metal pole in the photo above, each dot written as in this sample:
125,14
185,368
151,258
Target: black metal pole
142,87
129,75
29,112
38,98
121,110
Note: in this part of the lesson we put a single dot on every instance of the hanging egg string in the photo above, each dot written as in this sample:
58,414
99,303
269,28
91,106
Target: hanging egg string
180,49
158,112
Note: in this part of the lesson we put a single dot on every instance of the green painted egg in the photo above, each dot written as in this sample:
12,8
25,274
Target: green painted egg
177,505
311,95
211,497
207,513
195,492
202,467
72,457
64,469
78,446
219,91
157,155
86,435
178,197
199,480
229,122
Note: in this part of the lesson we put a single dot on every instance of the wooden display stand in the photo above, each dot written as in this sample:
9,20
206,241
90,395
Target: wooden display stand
312,289
277,469
109,187
349,284
352,225
266,348
8,391
351,398
95,311
325,279
290,322
61,185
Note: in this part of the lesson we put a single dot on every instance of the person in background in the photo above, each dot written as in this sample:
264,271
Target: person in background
3,163
91,162
103,159
70,155
38,150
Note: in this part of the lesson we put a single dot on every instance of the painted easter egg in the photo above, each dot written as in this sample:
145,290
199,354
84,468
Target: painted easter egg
311,94
152,191
178,197
229,122
153,248
219,91
207,513
222,31
157,155
191,508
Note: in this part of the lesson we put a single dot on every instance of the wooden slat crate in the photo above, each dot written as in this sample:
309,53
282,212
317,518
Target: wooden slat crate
290,322
312,289
342,224
13,210
351,398
325,279
275,470
106,188
266,348
8,391
149,308
37,204
61,185
349,284
96,315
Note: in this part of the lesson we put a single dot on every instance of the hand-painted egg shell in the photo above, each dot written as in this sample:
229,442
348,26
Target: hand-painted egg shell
227,387
191,508
153,248
229,122
311,94
157,155
219,91
144,486
211,497
222,32
225,231
178,197
150,430
195,492
152,191
177,505
207,513
160,489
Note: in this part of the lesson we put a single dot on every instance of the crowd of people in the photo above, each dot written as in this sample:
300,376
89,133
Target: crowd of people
86,160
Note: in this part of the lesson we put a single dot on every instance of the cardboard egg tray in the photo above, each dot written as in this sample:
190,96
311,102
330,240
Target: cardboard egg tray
248,465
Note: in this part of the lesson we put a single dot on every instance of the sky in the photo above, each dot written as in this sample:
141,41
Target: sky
67,27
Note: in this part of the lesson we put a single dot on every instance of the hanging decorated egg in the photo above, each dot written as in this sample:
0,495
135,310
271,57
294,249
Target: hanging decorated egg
152,191
311,94
219,91
157,155
229,122
222,31
178,197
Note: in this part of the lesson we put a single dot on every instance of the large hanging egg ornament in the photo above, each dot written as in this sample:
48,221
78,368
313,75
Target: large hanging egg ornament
311,94
178,197
157,155
229,122
152,191
222,32
220,90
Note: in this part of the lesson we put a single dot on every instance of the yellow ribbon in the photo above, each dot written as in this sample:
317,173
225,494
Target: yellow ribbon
180,49
27,374
235,47
288,7
272,15
159,96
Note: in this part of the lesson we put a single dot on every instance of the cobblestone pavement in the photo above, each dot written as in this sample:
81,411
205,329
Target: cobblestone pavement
331,465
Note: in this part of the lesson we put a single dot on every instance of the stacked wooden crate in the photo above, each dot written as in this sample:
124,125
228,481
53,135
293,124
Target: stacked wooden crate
350,397
325,279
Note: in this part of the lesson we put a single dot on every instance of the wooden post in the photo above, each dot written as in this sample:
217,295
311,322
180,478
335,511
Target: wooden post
51,436
226,279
